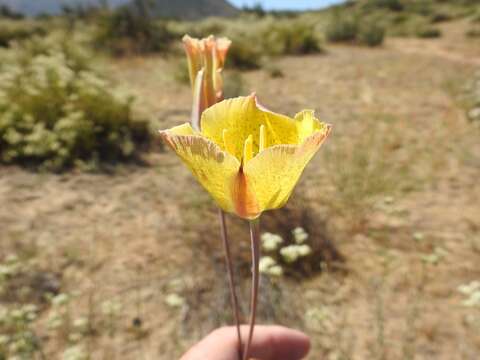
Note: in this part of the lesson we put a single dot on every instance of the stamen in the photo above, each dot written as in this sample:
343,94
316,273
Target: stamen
248,149
263,139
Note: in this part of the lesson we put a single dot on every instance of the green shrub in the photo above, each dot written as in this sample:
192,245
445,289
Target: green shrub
400,18
234,85
440,17
342,28
476,17
394,5
18,30
6,12
423,7
126,30
428,32
244,53
180,74
55,110
473,33
275,72
371,34
290,37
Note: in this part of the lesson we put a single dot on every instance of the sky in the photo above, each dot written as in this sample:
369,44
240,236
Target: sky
287,4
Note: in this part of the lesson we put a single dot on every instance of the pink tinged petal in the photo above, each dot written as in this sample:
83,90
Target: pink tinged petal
209,54
223,45
198,105
194,57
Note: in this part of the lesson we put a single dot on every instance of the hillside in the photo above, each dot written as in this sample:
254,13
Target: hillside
186,9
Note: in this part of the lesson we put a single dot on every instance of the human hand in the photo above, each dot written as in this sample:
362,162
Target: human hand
268,343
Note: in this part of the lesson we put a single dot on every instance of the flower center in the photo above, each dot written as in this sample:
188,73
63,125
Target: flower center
250,149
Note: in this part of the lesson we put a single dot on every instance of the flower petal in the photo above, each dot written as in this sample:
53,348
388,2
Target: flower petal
273,174
192,48
241,116
215,169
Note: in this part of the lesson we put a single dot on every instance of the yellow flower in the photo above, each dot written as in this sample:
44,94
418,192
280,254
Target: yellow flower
248,158
206,59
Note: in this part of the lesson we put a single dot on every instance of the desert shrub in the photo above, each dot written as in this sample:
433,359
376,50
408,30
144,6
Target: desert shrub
394,5
209,27
56,111
371,34
180,73
233,84
476,17
428,32
18,30
6,12
128,30
424,7
199,29
290,37
256,9
342,28
400,18
473,33
274,71
245,53
439,17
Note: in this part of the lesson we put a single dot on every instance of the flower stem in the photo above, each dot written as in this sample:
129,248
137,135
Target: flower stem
231,280
255,242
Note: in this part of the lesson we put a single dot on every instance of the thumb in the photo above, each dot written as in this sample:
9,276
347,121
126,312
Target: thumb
268,343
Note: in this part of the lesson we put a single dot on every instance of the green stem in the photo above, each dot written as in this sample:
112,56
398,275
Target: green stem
255,243
231,280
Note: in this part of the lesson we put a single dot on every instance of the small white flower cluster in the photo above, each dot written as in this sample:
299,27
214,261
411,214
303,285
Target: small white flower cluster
272,244
292,253
269,266
174,300
472,293
300,235
17,339
9,267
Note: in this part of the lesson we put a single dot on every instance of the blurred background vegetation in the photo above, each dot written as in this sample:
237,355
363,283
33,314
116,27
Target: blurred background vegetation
107,244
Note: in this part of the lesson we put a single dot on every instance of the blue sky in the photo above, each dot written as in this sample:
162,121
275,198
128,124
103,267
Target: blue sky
287,4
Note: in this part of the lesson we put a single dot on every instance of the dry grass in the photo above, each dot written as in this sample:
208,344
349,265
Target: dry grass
391,202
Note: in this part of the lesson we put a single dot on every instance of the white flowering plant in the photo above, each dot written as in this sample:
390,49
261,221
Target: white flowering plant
56,109
284,255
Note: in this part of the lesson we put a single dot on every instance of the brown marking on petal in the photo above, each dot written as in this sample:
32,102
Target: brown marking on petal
246,205
167,139
314,141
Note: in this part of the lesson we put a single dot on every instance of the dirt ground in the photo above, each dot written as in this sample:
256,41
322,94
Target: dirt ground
396,188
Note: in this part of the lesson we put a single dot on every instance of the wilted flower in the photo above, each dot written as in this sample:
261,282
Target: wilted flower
248,158
206,59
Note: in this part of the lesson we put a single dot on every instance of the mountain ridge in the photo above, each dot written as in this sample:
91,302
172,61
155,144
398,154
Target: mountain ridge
185,9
